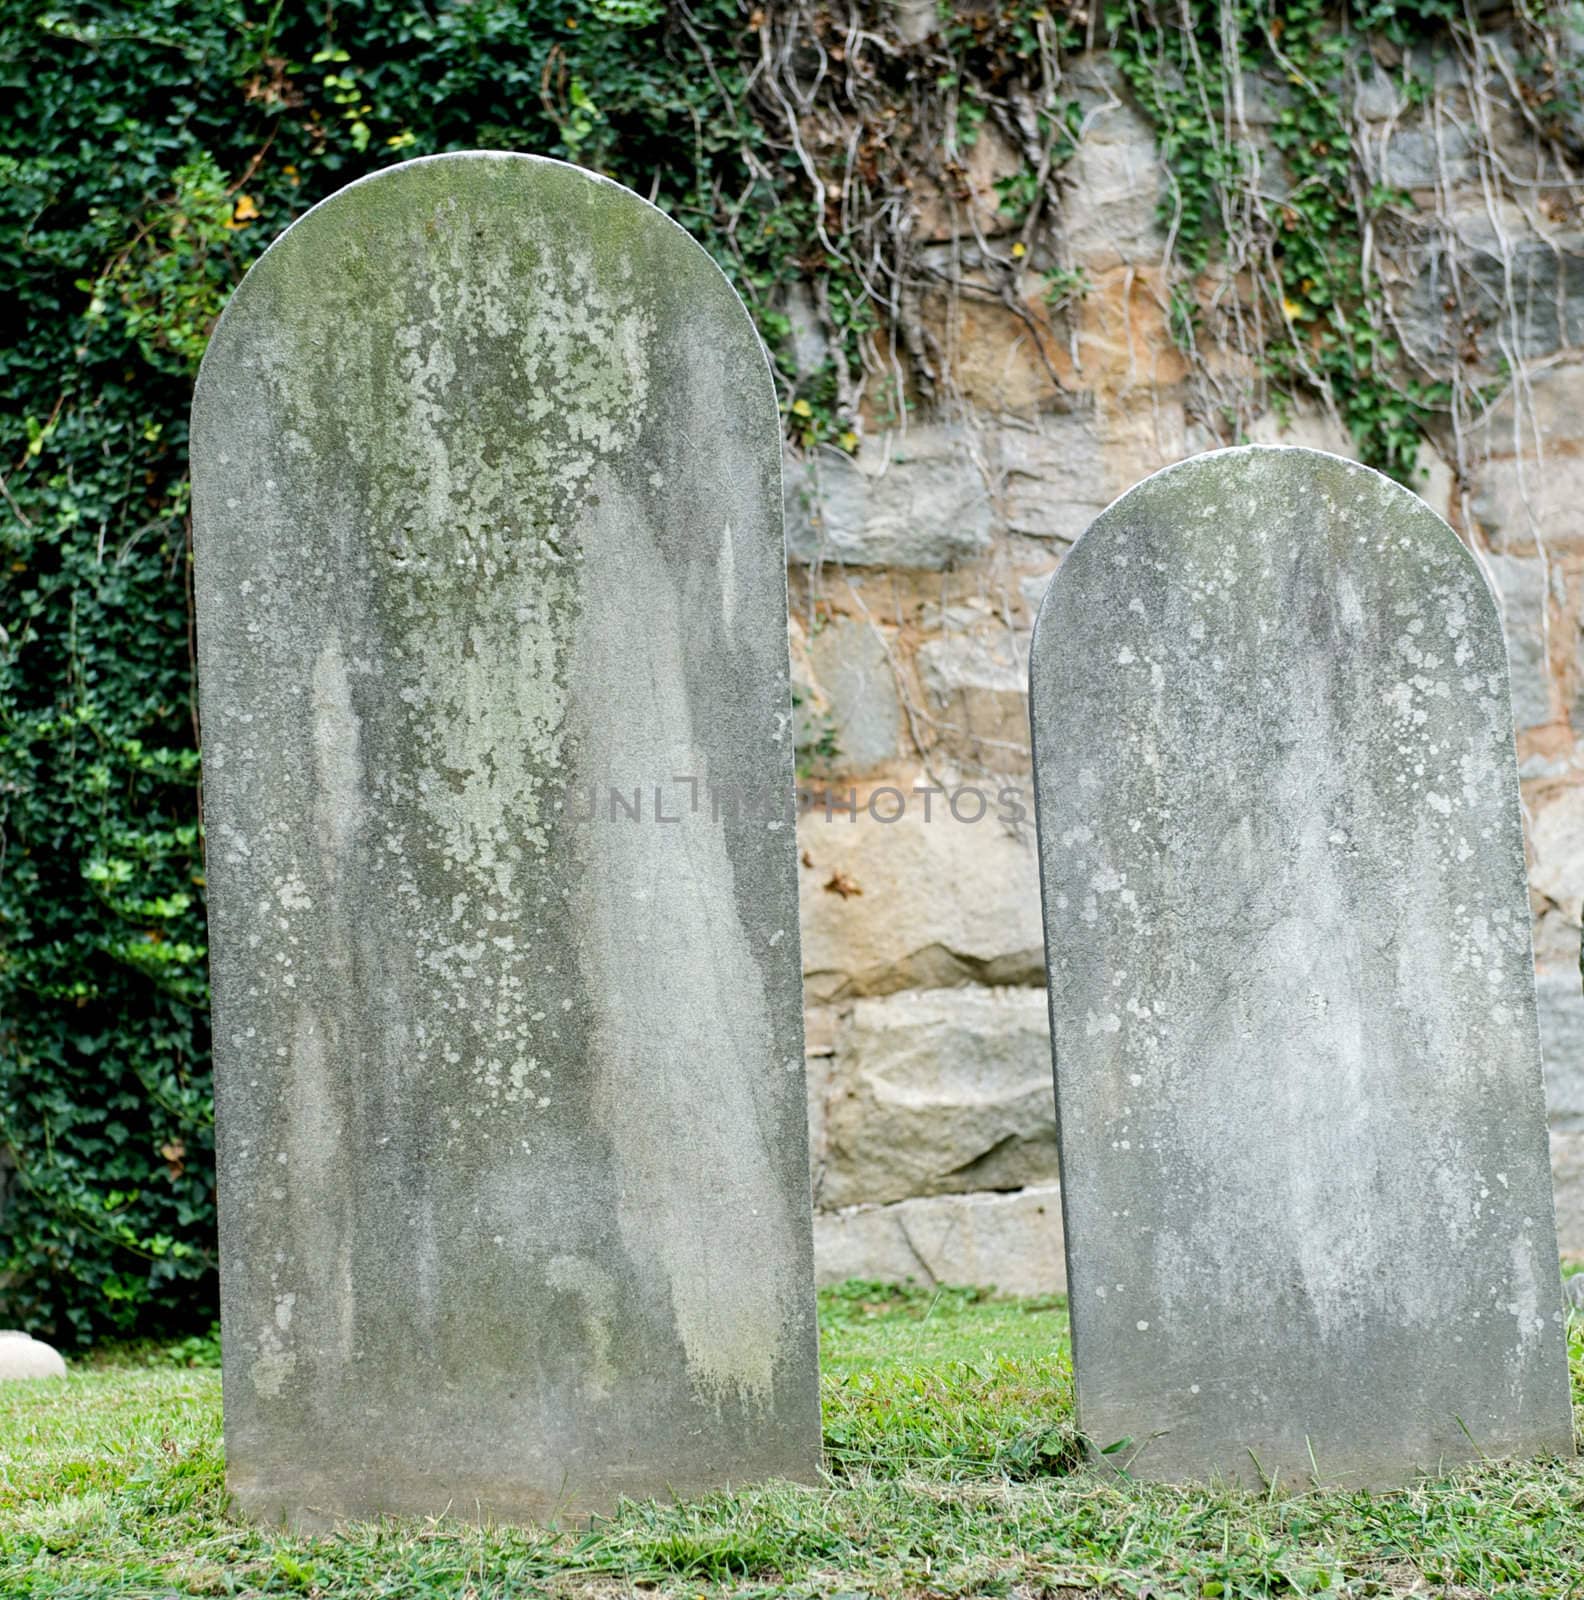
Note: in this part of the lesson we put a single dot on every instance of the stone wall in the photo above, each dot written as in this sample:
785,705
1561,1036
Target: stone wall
917,569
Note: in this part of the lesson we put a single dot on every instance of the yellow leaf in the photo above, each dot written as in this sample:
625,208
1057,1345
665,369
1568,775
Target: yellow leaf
1019,250
849,440
801,408
244,211
1291,309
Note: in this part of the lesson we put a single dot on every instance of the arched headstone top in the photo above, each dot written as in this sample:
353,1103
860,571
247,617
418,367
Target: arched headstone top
497,224
1308,1211
511,1128
1221,494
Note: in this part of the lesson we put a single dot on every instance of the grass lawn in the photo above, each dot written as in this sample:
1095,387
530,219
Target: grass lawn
951,1457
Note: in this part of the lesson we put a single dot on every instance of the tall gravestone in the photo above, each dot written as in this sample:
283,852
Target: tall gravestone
1302,1129
512,1150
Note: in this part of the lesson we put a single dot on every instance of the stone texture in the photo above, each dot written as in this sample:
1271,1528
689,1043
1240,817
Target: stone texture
1520,502
1567,1175
1299,1089
1003,358
1567,1178
1528,489
1306,427
939,1091
24,1357
1032,588
975,695
1113,187
861,710
915,20
1556,838
1543,410
1009,1242
1561,1006
913,500
510,1105
1054,478
1424,157
918,903
1522,287
1521,590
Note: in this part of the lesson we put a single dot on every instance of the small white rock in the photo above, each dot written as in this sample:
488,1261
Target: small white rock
22,1356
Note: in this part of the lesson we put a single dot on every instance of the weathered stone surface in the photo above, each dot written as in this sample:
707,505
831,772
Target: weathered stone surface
514,1186
1567,1178
1298,1080
1127,356
1054,481
1556,837
1521,589
1561,1006
1010,1242
976,696
1423,157
1519,505
1543,409
861,716
915,20
1006,358
1032,588
1113,186
24,1357
1527,492
1521,287
939,1091
914,500
1310,427
919,903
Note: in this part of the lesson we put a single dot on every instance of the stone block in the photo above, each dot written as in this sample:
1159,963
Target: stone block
1054,476
1567,1177
1543,414
913,500
922,902
1556,848
1520,585
915,20
1112,191
1519,504
939,1091
1004,359
1522,288
975,694
860,721
1560,998
1009,1242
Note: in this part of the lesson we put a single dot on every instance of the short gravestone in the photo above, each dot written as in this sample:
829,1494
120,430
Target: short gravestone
1302,1134
511,1122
